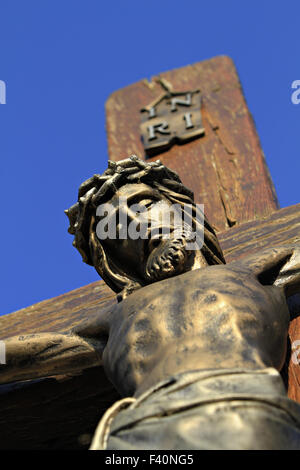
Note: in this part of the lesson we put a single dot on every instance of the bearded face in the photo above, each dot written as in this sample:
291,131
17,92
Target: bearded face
168,258
161,252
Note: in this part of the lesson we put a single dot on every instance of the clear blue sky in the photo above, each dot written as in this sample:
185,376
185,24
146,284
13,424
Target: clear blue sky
61,59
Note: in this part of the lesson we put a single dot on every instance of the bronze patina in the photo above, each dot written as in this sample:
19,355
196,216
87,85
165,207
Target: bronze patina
194,345
174,117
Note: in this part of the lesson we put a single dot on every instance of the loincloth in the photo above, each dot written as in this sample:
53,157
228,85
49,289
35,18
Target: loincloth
211,409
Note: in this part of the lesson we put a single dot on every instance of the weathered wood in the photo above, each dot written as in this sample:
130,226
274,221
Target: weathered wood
225,168
58,314
280,228
44,413
54,413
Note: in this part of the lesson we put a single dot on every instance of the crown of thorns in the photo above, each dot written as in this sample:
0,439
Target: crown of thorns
132,170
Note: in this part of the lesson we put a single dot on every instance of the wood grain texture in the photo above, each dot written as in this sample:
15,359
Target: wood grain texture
45,413
54,413
58,314
281,227
226,168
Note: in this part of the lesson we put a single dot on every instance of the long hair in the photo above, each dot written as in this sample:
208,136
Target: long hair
100,188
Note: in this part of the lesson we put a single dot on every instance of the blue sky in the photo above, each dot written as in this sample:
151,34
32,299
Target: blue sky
61,59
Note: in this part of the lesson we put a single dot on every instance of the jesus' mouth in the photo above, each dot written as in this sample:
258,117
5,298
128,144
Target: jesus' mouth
166,258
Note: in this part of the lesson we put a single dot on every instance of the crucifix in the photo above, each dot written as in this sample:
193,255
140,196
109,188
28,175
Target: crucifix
195,120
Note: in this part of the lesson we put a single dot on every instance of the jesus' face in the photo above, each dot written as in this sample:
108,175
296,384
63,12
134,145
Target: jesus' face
161,251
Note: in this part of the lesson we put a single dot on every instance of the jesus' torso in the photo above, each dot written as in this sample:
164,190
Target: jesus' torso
203,319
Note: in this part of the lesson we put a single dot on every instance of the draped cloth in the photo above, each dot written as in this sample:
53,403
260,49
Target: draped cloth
205,410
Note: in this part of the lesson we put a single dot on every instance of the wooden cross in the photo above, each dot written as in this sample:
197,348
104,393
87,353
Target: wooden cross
222,162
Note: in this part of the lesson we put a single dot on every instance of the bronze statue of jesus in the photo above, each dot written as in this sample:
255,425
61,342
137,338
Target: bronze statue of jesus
194,345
